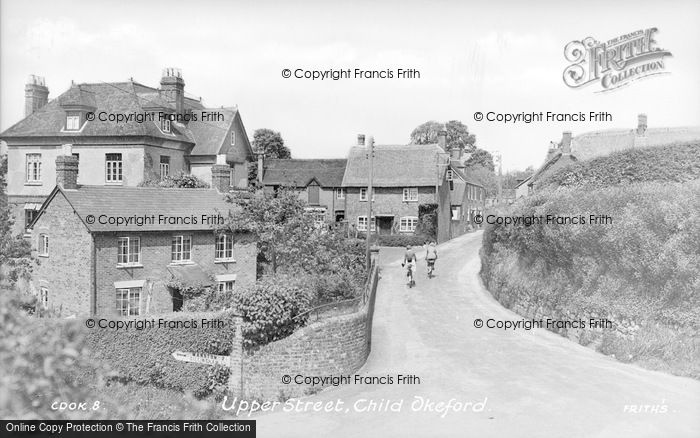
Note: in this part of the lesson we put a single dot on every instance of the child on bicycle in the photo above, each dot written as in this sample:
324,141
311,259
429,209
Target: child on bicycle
430,257
409,260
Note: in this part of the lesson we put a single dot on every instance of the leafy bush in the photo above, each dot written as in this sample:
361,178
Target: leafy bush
644,267
181,180
145,356
402,239
270,308
44,361
673,163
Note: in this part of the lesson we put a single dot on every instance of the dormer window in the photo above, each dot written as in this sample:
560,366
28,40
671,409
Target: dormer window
165,125
73,122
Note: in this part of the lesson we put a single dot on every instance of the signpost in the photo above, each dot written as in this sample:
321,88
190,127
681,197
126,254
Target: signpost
205,358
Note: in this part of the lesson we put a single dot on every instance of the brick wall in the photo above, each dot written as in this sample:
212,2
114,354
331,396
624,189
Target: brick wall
387,201
333,346
156,258
67,271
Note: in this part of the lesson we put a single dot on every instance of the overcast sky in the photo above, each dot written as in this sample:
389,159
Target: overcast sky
472,56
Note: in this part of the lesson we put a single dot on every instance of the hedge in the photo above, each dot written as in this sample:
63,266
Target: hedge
145,356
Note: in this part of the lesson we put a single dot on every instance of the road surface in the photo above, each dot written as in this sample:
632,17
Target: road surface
520,383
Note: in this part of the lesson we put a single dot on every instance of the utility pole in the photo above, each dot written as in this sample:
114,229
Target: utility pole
499,180
370,196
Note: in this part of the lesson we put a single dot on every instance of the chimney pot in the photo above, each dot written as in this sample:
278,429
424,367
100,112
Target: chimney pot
36,94
173,88
360,139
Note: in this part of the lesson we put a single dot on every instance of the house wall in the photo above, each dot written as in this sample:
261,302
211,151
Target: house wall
473,201
444,213
387,201
151,160
67,271
156,258
239,152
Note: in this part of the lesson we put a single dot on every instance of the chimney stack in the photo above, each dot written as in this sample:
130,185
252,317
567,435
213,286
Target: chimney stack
36,94
67,169
641,124
442,139
261,166
173,87
361,140
221,175
566,142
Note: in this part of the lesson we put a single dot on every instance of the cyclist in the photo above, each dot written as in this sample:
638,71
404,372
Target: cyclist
430,257
409,260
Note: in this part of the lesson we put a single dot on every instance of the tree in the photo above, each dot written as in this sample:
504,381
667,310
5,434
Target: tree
15,251
513,177
481,158
486,178
270,143
458,135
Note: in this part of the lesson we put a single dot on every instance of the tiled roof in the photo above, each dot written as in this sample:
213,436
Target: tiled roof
298,173
111,98
464,176
175,205
397,166
211,135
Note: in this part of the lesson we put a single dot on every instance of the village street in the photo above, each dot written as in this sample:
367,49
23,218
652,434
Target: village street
535,383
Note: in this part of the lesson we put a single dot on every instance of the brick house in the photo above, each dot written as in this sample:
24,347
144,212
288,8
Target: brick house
404,177
468,199
164,140
90,263
318,182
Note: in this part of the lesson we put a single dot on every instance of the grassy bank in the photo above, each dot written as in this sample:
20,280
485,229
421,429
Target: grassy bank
642,271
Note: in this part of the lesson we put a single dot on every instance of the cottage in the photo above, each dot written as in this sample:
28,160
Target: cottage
122,251
317,181
405,177
468,199
558,157
122,133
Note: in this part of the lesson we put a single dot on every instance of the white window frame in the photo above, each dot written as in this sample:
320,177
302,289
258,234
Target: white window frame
164,167
44,297
132,293
363,194
410,194
73,122
318,214
43,245
223,248
362,223
165,125
456,209
408,224
233,138
114,169
181,249
225,282
339,193
129,258
450,175
33,168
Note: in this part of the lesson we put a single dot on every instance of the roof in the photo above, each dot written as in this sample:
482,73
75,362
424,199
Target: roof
397,166
168,209
464,176
111,98
557,161
211,135
299,173
604,142
523,181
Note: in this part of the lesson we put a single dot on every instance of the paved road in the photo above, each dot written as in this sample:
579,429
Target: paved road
535,383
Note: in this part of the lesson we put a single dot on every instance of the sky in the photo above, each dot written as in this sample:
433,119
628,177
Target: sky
499,56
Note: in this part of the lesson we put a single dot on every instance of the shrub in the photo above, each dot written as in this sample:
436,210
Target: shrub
402,240
181,180
145,356
270,308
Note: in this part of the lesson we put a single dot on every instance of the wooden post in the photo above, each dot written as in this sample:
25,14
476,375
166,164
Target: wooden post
370,196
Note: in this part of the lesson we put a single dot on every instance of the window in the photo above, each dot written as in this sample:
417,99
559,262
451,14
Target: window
29,215
129,251
408,224
340,193
456,212
450,176
181,249
362,223
225,286
224,247
164,166
410,194
72,123
233,138
165,124
43,247
113,168
129,301
44,297
319,216
33,168
363,194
